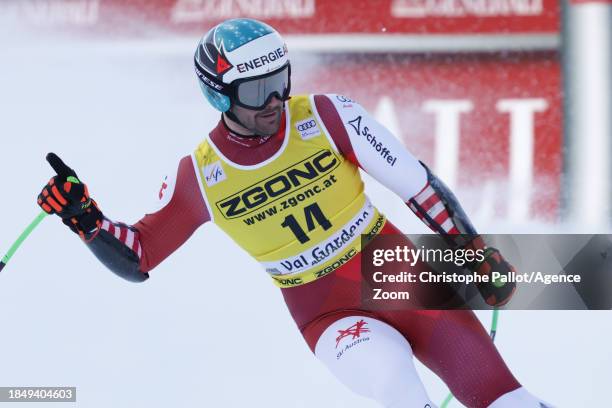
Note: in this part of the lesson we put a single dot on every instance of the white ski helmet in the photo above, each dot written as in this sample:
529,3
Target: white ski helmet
244,62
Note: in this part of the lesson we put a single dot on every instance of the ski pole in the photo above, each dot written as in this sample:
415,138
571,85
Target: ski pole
30,228
22,238
493,332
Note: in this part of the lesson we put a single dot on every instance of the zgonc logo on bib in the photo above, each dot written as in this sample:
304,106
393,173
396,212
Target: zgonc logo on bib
278,185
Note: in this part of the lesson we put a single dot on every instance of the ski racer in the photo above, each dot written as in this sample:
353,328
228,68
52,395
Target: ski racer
280,175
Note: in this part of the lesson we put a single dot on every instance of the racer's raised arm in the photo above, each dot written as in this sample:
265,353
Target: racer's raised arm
371,146
130,251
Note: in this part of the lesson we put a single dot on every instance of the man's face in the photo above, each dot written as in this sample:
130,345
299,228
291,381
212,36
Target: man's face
261,122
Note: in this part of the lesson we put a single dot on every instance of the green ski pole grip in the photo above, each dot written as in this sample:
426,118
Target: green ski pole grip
22,238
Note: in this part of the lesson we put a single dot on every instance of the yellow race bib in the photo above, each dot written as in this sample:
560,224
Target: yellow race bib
299,213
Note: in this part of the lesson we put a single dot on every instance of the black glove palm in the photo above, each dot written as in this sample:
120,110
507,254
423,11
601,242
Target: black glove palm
495,293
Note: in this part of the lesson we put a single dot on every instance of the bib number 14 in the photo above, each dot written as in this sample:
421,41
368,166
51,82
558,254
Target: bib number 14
312,213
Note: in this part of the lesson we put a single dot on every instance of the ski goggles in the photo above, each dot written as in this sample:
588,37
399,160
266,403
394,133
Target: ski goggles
255,93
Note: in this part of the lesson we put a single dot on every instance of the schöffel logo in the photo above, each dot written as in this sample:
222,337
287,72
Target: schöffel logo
371,139
308,128
355,331
278,185
213,174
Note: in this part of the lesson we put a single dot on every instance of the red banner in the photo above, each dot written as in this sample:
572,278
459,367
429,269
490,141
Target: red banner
298,16
486,123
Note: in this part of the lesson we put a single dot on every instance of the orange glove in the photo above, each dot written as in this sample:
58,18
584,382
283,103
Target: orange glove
67,197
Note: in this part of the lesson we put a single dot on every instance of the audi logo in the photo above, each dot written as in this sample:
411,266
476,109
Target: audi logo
306,125
344,99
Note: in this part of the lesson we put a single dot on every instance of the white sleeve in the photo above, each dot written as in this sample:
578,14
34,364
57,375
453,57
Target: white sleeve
378,152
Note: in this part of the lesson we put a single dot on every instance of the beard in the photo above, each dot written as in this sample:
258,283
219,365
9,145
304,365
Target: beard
267,122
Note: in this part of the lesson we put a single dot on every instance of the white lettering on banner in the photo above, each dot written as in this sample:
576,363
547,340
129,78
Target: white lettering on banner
51,12
522,128
385,113
190,11
522,138
459,8
446,149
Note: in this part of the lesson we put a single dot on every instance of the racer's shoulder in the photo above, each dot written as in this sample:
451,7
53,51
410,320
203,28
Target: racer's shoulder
324,104
180,177
203,153
335,107
336,102
332,97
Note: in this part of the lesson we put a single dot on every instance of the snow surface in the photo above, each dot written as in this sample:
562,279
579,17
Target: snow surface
208,329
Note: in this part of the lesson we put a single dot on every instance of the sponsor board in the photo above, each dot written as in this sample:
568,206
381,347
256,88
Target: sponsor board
489,126
463,8
299,16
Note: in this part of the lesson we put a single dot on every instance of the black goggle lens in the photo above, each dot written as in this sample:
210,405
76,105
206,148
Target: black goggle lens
256,93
